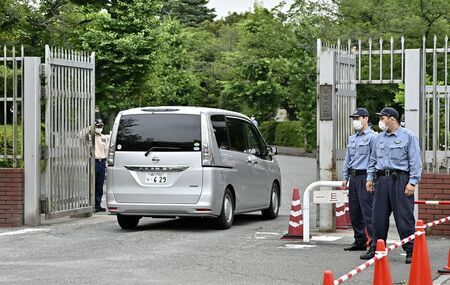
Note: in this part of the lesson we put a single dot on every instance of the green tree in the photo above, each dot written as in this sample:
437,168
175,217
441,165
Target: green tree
125,38
189,12
172,80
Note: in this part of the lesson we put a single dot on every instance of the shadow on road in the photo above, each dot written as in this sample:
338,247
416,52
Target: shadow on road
193,224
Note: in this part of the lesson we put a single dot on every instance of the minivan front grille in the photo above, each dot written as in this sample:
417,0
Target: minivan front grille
144,168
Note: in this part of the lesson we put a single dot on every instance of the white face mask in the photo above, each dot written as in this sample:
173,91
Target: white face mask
357,125
383,126
98,130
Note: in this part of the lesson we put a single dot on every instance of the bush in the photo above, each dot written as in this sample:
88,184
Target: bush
7,163
289,134
268,129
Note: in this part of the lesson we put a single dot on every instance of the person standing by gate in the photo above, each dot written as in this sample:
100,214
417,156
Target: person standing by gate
354,174
394,170
101,153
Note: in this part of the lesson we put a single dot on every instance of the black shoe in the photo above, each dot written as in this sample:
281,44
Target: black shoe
356,247
408,258
100,209
368,255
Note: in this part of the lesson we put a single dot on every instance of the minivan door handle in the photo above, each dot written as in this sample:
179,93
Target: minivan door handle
250,160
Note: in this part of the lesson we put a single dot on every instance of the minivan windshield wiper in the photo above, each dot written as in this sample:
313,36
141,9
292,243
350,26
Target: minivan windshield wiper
161,148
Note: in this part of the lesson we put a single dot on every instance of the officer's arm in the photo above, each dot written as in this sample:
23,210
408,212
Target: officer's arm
346,162
415,163
372,159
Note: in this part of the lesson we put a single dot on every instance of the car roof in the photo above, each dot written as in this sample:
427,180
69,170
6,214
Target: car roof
181,110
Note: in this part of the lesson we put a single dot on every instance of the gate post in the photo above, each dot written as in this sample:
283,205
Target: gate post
413,99
32,138
326,92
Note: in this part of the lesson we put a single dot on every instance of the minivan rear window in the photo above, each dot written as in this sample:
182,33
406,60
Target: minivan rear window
160,132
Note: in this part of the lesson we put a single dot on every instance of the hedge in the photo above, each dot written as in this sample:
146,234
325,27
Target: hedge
9,145
283,133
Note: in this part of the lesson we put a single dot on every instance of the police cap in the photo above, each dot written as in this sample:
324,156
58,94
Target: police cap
360,112
390,112
98,123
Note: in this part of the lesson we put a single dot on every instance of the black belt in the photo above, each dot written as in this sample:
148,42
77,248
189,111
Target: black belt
101,159
356,172
391,172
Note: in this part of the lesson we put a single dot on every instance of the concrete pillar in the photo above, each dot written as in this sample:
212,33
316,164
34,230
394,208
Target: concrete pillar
32,138
327,89
412,98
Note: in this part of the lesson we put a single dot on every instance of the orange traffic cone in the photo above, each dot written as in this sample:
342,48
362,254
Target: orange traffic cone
382,273
446,270
420,272
328,278
296,218
341,216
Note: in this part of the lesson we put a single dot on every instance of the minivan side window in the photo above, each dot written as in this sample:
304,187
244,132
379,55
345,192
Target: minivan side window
220,131
237,135
253,143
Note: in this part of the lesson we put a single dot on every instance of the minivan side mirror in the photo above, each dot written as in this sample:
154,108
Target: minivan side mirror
272,150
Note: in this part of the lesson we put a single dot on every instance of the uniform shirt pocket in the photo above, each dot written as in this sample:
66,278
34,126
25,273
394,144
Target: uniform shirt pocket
380,150
352,149
363,148
396,152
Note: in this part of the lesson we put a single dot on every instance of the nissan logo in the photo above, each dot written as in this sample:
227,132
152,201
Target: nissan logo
155,159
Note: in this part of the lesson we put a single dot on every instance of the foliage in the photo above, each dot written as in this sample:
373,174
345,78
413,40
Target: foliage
10,144
289,134
172,80
125,39
268,129
190,13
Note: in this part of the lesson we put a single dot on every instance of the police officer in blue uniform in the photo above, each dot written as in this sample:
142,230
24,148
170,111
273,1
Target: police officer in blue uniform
355,174
394,170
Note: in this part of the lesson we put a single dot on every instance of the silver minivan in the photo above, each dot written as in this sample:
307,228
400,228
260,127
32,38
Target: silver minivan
189,161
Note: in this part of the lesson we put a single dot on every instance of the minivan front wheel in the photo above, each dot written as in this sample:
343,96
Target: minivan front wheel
272,211
128,222
225,220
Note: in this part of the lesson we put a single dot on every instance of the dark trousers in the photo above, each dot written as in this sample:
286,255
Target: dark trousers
360,204
390,198
100,166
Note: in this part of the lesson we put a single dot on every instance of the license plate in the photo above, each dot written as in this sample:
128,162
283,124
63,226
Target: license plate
156,178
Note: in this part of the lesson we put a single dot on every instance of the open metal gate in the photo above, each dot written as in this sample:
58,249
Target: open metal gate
69,117
423,72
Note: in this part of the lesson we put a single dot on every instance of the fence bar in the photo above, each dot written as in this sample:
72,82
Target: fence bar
359,61
370,60
381,59
436,110
392,59
447,119
5,96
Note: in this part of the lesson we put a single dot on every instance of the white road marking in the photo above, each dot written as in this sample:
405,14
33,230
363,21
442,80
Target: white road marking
325,238
19,232
267,233
297,246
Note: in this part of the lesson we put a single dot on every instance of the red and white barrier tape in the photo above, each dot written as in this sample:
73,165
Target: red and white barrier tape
378,256
421,202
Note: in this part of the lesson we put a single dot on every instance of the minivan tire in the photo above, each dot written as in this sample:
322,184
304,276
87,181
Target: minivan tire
128,222
272,212
225,220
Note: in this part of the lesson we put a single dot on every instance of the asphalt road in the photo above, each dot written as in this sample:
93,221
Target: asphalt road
190,251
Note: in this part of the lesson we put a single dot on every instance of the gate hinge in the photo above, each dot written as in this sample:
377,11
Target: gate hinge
44,152
43,206
42,70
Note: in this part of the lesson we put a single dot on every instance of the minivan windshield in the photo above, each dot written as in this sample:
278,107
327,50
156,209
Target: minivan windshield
161,132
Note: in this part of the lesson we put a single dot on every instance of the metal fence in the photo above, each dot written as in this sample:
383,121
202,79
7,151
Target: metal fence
69,116
11,107
384,63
